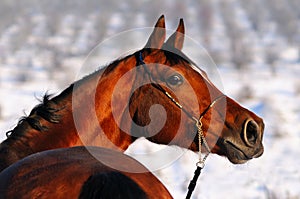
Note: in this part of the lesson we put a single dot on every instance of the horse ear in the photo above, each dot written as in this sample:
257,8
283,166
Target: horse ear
158,36
177,38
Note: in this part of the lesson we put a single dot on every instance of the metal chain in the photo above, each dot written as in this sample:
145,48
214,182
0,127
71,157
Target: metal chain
201,163
201,140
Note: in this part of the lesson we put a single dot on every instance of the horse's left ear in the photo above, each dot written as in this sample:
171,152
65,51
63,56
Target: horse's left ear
158,36
177,38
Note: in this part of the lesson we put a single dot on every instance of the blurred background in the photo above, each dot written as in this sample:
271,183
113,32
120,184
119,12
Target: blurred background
255,44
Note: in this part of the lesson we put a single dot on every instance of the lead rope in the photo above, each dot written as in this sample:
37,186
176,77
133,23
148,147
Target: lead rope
201,163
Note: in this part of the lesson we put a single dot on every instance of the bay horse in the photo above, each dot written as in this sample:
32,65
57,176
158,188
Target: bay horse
75,173
115,105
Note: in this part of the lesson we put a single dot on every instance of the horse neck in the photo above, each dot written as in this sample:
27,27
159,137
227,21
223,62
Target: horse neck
80,115
96,112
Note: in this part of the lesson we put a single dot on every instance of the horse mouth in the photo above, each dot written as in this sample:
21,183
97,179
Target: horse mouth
238,154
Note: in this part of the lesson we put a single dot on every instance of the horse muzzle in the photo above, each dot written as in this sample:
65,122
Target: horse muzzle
248,146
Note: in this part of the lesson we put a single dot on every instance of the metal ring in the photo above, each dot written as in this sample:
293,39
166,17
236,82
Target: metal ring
200,164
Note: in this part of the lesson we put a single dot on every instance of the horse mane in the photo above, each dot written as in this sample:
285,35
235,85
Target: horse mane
46,110
111,185
175,56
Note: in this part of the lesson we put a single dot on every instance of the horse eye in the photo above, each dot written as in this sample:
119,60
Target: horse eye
175,80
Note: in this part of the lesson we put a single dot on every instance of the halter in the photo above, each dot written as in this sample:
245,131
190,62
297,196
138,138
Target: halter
198,123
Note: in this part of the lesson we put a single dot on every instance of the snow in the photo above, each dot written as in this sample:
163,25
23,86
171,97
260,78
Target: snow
46,61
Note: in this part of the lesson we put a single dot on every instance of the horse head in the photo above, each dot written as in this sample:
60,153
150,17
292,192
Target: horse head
157,92
170,94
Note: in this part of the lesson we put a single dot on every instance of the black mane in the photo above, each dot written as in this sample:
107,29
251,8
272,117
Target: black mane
46,110
175,56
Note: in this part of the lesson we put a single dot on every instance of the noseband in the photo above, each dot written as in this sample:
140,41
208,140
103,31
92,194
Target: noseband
198,123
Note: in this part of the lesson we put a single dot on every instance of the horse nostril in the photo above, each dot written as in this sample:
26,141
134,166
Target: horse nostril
250,132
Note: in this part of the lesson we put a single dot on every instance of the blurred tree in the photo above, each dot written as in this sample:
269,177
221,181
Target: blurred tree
285,17
297,88
241,50
1,115
257,13
242,54
271,55
206,21
245,93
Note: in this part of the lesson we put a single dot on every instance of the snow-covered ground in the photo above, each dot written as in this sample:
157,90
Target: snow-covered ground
43,54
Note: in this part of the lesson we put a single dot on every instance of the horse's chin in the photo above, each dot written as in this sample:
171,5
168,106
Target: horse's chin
235,153
235,160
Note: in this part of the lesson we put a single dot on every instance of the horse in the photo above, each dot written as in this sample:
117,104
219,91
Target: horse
157,92
75,173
